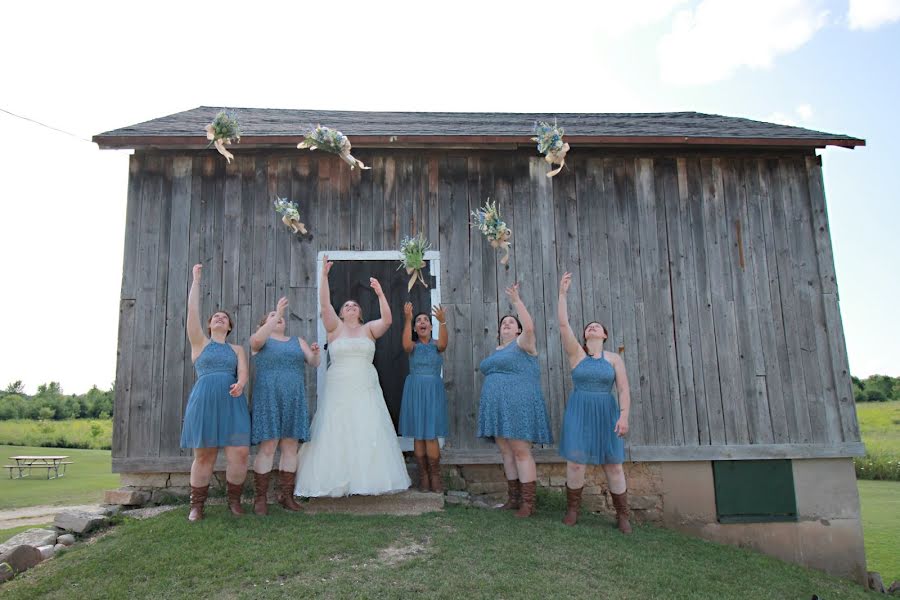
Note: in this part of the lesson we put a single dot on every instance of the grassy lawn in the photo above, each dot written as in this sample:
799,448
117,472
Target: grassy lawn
879,425
460,553
880,502
95,434
83,484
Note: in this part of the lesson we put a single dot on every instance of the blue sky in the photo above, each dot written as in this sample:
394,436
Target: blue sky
826,65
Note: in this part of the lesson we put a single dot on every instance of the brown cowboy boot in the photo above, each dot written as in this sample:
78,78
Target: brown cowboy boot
620,501
233,494
422,463
437,480
261,499
526,507
198,498
573,503
514,495
285,494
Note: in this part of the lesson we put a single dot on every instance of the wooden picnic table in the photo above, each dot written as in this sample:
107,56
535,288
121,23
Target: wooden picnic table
54,465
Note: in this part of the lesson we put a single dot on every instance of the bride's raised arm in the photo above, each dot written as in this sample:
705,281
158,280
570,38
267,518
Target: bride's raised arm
329,317
379,327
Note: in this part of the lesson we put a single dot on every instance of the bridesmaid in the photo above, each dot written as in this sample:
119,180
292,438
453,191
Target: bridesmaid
512,409
280,412
423,411
594,424
216,415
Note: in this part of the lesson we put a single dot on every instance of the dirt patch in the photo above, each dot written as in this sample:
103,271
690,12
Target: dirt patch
36,515
401,552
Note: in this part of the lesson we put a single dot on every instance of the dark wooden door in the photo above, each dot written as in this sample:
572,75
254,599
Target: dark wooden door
350,280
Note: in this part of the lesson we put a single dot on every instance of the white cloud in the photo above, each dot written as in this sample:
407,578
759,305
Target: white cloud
711,41
805,112
618,19
799,118
871,14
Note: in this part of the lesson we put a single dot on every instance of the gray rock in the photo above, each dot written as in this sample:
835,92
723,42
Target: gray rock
111,510
21,558
126,497
33,537
47,552
6,572
59,547
875,582
895,588
66,539
79,522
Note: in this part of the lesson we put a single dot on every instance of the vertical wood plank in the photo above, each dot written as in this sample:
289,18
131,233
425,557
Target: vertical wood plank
123,396
760,279
835,330
546,283
718,241
454,231
790,304
176,307
673,181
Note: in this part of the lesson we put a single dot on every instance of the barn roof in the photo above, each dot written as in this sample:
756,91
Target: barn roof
282,127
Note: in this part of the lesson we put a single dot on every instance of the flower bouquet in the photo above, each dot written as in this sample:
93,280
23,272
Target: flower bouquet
330,140
221,131
550,143
487,220
291,216
412,258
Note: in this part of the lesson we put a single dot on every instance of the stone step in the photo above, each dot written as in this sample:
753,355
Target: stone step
409,502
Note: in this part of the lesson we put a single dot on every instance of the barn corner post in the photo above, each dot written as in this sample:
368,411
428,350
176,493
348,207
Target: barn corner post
701,240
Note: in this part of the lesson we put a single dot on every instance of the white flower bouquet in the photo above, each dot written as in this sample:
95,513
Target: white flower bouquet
550,143
487,220
222,131
330,140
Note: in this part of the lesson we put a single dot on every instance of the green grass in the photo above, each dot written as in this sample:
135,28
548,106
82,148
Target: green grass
462,553
93,434
83,484
879,424
880,504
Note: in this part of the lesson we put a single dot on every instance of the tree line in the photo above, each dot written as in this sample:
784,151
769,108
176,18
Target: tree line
50,403
876,388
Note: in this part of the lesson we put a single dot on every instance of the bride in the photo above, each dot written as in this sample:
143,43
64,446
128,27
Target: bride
353,447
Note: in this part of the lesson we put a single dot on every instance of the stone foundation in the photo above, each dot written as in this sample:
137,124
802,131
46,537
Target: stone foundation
680,495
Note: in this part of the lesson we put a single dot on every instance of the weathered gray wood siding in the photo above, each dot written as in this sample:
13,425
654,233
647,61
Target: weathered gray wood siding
713,273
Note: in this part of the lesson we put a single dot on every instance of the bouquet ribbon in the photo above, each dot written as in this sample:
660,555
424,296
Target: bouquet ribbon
343,152
219,143
557,157
295,225
415,274
503,243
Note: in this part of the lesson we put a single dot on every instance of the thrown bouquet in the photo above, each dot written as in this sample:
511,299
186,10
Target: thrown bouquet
412,258
487,220
222,131
291,216
550,143
330,140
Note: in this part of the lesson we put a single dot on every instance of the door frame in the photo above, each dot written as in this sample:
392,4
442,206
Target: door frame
431,256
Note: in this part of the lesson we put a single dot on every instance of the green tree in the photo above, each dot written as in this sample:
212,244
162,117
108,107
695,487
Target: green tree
15,387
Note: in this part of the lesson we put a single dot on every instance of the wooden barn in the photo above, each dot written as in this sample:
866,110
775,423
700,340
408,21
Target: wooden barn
701,241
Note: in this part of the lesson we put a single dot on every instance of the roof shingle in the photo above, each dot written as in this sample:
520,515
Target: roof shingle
261,123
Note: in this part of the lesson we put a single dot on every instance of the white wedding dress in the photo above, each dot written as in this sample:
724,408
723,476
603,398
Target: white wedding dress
353,446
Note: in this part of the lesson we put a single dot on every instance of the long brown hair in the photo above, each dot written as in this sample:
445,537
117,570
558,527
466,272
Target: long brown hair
230,322
584,338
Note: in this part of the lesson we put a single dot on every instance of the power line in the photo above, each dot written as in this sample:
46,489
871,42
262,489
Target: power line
77,137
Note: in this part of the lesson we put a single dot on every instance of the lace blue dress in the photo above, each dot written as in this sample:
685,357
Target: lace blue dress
588,432
213,417
423,410
280,409
512,404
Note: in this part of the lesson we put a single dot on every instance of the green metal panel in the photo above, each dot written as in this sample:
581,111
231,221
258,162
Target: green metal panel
754,491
